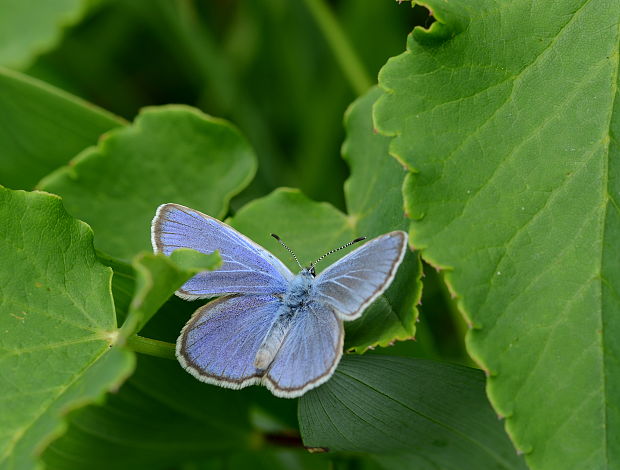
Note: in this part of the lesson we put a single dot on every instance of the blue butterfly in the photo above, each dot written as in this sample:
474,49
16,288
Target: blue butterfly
269,326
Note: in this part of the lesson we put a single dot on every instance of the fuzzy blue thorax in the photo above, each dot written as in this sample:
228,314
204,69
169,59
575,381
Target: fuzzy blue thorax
298,291
295,299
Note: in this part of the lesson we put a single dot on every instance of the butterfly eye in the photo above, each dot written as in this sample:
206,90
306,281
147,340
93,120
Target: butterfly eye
312,271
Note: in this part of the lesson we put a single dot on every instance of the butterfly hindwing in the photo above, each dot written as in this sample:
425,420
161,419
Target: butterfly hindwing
219,343
247,268
309,353
355,281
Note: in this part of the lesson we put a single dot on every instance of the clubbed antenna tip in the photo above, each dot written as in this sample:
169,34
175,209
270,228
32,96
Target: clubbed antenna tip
289,250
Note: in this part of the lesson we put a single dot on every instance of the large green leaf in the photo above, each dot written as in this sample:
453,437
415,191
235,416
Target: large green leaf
27,29
42,128
170,154
506,113
159,418
435,414
57,322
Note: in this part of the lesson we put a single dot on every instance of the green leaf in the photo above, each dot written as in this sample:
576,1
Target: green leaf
42,128
160,418
170,154
123,285
375,206
57,322
26,30
194,261
275,458
373,191
510,130
157,278
145,285
408,409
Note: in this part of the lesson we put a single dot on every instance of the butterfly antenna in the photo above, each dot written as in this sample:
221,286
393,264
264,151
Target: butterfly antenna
289,250
338,249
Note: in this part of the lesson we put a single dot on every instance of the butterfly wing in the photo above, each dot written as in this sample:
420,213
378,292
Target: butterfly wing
218,345
309,353
355,281
247,268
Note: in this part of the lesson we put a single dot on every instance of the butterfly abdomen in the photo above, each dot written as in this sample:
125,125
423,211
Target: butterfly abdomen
295,299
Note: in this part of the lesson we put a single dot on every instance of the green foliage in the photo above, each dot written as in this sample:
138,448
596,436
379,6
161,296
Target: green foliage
375,205
158,276
57,322
492,139
160,408
510,131
170,154
26,31
409,409
36,115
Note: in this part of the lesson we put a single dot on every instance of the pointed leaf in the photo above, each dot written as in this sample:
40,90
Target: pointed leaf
408,409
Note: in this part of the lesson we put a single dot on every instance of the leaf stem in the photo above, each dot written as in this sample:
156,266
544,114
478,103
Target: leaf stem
151,347
129,326
346,57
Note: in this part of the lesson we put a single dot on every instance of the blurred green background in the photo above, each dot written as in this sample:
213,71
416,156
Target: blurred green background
264,65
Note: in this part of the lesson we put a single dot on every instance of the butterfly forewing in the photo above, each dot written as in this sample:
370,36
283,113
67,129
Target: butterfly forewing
247,268
355,281
219,343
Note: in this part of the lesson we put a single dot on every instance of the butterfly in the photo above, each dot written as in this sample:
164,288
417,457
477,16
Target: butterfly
269,326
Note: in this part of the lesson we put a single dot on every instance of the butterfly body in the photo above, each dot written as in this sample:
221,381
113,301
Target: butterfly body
295,302
269,326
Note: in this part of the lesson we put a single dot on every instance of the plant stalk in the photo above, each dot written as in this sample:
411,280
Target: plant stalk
151,347
340,45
